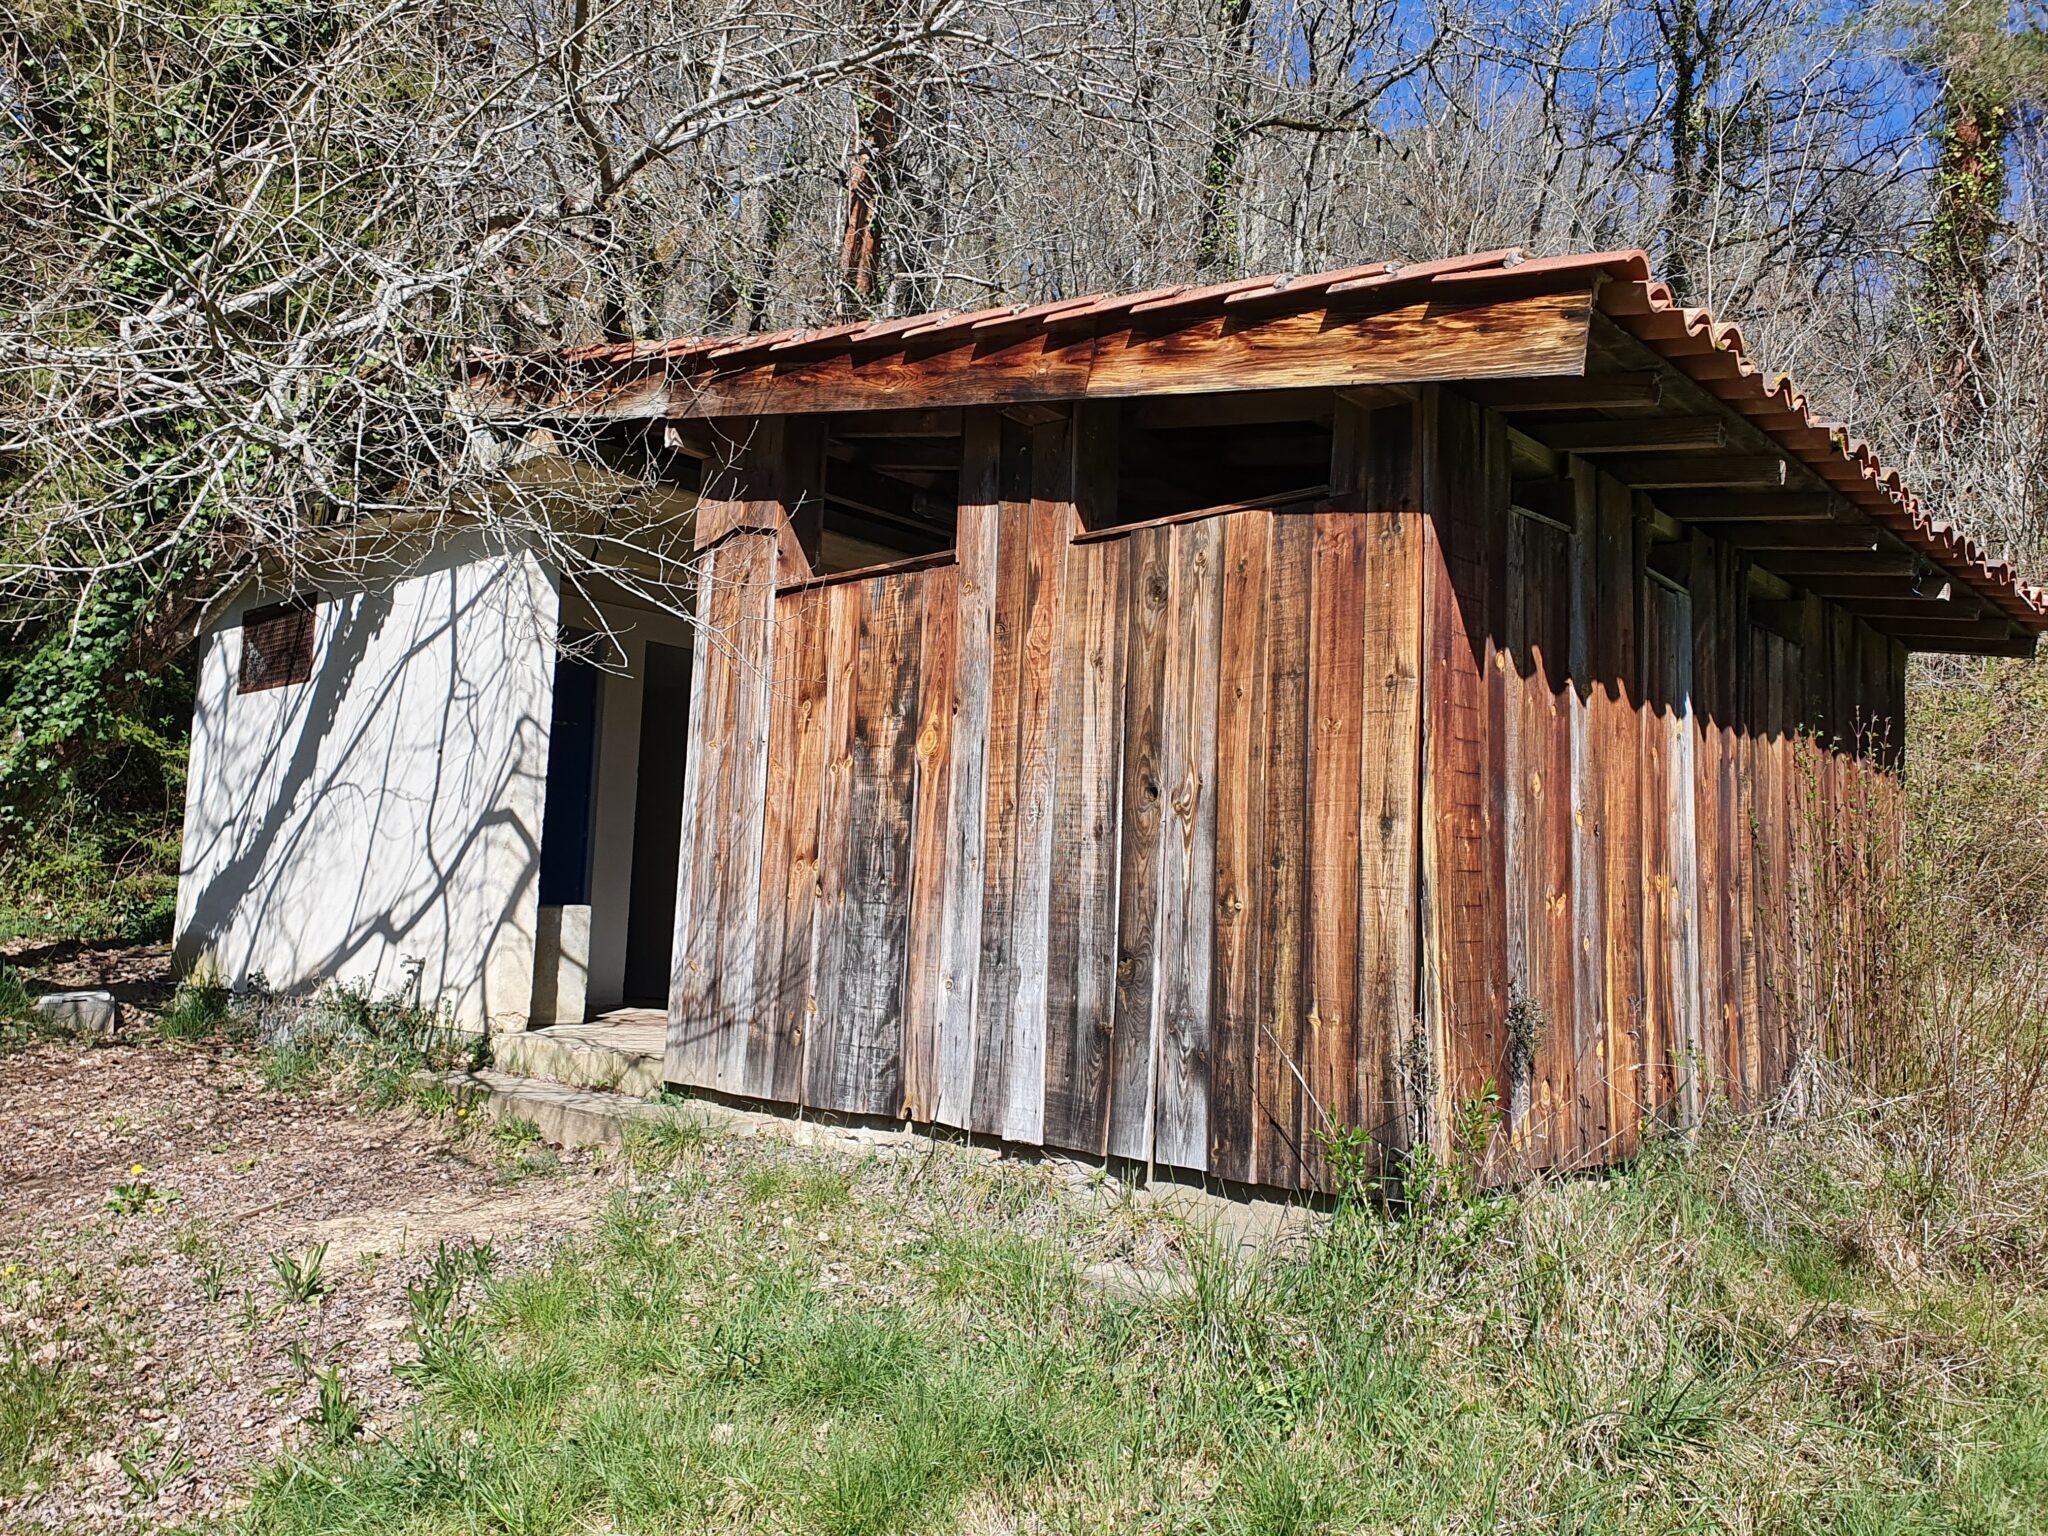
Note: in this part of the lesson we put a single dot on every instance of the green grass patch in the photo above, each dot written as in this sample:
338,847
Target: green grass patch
41,1406
199,1010
762,1340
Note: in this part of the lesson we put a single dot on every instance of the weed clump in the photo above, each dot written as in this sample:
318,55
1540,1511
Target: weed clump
202,1007
370,1045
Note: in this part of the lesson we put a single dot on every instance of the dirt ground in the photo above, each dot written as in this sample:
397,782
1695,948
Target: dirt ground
198,1365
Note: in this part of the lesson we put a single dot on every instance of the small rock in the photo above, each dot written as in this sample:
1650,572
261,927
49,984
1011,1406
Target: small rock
83,1014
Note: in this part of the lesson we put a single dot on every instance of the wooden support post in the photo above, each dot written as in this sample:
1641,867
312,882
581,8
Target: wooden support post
979,536
757,526
1465,494
1374,453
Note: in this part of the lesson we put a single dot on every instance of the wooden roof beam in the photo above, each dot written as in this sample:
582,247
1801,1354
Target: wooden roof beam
1802,564
1985,637
1641,434
894,453
1698,471
862,424
1961,605
1752,507
1532,337
1241,408
1763,539
1601,392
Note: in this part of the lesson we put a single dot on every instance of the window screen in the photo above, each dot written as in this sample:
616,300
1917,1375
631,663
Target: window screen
277,645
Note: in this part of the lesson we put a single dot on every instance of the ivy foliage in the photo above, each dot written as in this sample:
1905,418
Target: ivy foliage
95,614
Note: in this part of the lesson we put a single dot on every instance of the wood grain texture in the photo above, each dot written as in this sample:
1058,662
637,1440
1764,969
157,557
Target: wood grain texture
1375,453
932,816
1241,746
1688,1025
1661,717
1283,1149
1142,808
1527,337
995,991
1336,706
1081,957
856,1061
833,956
1465,498
772,1020
1540,1087
756,525
693,1036
1050,524
1186,934
979,536
775,1068
744,807
1591,1111
1615,734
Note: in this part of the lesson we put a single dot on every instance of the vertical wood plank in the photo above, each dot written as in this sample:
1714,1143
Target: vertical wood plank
694,1034
1655,939
1382,464
1772,664
1519,733
1187,862
830,957
1589,704
1538,845
776,1067
856,1062
1465,496
1240,824
1615,735
745,810
1141,808
1336,705
1081,960
772,1020
978,545
924,994
1547,777
1282,1123
1050,526
1004,921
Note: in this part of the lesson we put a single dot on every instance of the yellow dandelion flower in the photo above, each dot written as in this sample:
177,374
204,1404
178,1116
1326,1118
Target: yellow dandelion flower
136,1170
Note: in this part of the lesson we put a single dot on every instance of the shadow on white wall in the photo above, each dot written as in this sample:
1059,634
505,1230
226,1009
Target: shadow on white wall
384,815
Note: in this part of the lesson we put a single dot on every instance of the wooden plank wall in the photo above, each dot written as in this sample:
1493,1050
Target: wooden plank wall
1101,840
1661,791
1193,842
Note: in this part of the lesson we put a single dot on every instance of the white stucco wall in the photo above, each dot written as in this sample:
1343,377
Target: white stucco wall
389,810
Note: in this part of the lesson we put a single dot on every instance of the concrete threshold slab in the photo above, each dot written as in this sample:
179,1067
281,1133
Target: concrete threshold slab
565,1114
582,1056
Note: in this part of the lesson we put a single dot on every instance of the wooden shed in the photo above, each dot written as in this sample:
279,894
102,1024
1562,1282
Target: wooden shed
1172,726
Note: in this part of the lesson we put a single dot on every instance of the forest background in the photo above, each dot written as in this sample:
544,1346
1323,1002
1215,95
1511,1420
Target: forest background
247,239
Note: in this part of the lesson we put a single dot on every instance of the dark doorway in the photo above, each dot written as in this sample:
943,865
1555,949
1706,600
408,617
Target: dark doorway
657,824
572,782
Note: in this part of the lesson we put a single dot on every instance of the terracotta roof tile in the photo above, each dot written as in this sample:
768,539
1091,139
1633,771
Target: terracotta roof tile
1712,352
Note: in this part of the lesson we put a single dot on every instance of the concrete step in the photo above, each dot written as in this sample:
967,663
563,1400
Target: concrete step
566,1115
608,1059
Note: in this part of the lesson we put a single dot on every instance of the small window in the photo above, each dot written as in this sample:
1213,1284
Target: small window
277,645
